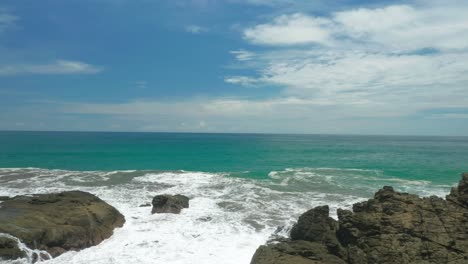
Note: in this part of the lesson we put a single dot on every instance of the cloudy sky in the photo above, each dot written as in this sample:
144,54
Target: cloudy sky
268,66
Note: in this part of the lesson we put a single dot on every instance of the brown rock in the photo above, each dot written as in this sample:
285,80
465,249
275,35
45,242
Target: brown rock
169,203
9,249
295,252
392,228
59,222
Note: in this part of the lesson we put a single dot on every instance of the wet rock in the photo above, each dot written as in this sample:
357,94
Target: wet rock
169,203
39,257
392,227
59,222
9,249
4,198
205,219
145,205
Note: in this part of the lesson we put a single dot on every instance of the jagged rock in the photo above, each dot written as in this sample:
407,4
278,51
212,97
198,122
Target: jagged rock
59,222
169,203
9,249
460,193
392,227
316,225
295,252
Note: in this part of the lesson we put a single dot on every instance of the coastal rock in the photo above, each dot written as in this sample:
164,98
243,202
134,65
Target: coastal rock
169,203
295,252
9,249
58,222
392,227
4,198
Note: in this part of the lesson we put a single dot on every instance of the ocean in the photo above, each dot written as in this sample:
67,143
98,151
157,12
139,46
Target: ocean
244,189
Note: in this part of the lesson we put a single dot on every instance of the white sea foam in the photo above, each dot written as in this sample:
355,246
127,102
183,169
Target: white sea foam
359,182
227,220
31,254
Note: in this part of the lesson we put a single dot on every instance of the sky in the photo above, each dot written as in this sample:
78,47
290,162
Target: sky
248,66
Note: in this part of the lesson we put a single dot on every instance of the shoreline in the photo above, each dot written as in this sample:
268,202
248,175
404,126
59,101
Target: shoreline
207,215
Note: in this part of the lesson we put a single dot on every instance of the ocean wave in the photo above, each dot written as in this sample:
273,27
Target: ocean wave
228,216
351,181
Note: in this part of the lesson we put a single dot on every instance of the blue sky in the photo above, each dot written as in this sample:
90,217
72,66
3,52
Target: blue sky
279,66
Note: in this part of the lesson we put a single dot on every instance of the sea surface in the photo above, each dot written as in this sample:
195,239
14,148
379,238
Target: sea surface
244,189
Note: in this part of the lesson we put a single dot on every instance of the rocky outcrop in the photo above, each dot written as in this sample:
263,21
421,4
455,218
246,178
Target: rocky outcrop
295,252
9,249
169,203
392,228
56,222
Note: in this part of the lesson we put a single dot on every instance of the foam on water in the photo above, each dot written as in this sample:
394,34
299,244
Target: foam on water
353,181
228,217
32,255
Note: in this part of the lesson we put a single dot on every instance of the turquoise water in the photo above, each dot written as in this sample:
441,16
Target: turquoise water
438,159
244,189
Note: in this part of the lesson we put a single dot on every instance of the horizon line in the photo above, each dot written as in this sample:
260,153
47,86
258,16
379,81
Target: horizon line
230,133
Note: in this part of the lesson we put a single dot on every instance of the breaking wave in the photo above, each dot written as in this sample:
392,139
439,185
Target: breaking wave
228,218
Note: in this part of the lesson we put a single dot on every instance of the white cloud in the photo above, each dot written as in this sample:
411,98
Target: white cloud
400,27
6,20
405,27
242,80
363,21
391,61
344,71
279,115
57,67
290,30
209,109
194,29
287,114
354,71
243,55
295,29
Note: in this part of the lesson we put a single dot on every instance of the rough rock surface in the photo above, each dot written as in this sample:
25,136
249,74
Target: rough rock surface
169,203
57,222
9,249
392,228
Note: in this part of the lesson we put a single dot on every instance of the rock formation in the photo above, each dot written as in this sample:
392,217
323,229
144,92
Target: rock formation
169,203
56,222
9,249
392,228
